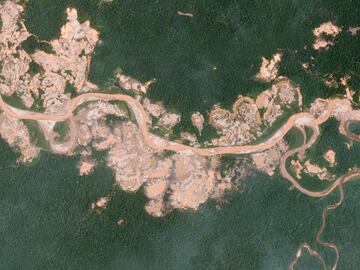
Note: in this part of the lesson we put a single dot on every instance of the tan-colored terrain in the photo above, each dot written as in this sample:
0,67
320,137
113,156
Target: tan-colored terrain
322,33
237,128
335,107
175,174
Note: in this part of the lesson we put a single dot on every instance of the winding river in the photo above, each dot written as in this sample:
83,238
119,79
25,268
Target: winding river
339,107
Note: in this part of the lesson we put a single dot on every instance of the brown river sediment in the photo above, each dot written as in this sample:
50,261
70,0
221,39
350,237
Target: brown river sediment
344,111
335,107
64,109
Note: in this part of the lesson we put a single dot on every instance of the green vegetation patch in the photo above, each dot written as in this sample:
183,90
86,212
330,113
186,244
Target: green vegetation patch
354,127
37,105
70,89
62,129
14,101
208,133
36,135
34,68
294,138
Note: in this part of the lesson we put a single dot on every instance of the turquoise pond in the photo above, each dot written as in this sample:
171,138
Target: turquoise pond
45,219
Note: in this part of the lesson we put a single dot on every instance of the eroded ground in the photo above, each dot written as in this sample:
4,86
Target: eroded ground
187,175
135,133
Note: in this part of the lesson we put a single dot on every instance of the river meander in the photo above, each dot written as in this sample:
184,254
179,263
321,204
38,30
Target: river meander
45,220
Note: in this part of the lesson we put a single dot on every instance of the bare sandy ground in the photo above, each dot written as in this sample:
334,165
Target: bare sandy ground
335,107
